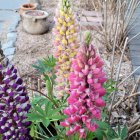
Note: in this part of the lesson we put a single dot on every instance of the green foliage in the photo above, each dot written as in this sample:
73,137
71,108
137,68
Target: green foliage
43,111
45,65
105,131
47,109
109,85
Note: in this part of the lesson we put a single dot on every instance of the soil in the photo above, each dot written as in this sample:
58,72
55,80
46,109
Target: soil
35,13
30,48
28,6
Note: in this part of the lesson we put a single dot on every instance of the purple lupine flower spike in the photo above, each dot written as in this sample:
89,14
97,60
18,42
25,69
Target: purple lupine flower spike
14,105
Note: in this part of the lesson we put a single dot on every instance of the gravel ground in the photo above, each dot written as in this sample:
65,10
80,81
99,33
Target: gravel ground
30,48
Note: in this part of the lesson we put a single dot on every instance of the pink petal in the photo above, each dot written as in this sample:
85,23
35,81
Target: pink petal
100,102
64,124
90,81
96,71
100,64
71,100
82,133
96,85
84,118
100,91
102,80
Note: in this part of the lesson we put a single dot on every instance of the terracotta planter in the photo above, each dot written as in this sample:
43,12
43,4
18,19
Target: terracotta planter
27,7
34,22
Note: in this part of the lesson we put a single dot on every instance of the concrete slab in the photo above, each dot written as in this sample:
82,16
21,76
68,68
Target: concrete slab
9,51
138,71
11,4
7,16
135,61
134,53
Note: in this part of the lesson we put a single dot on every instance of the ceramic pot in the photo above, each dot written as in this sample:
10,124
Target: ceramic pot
27,7
35,22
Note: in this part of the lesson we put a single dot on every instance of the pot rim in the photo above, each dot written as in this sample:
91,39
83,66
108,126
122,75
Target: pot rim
31,8
36,17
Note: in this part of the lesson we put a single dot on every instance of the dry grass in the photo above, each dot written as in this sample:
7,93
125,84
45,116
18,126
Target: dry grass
117,23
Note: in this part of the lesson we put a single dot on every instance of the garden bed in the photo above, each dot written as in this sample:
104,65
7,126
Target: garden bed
37,47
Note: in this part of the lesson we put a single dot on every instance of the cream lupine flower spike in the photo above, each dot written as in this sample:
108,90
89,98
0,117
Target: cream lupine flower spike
66,44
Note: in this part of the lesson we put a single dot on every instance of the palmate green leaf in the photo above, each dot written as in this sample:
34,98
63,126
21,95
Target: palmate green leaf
103,125
110,86
33,128
111,134
49,108
41,66
124,133
39,110
99,134
90,135
50,61
57,117
34,117
46,122
119,130
54,111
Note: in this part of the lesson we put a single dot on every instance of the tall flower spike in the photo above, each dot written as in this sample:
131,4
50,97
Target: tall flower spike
86,91
65,43
14,105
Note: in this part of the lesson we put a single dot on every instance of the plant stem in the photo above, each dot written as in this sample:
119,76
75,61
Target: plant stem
45,96
117,78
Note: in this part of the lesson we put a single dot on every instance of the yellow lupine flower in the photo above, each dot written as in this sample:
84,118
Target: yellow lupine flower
70,40
72,31
65,57
72,55
64,24
62,13
57,39
59,58
61,32
64,42
66,75
74,47
66,16
60,20
58,27
59,48
67,32
69,23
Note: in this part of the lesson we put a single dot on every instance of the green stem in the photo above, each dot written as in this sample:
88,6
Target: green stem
45,96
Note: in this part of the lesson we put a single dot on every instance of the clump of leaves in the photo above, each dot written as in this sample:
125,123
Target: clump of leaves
106,132
43,112
45,65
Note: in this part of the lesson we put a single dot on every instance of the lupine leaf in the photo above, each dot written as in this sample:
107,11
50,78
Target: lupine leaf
46,122
124,133
40,110
99,134
34,117
102,125
119,130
